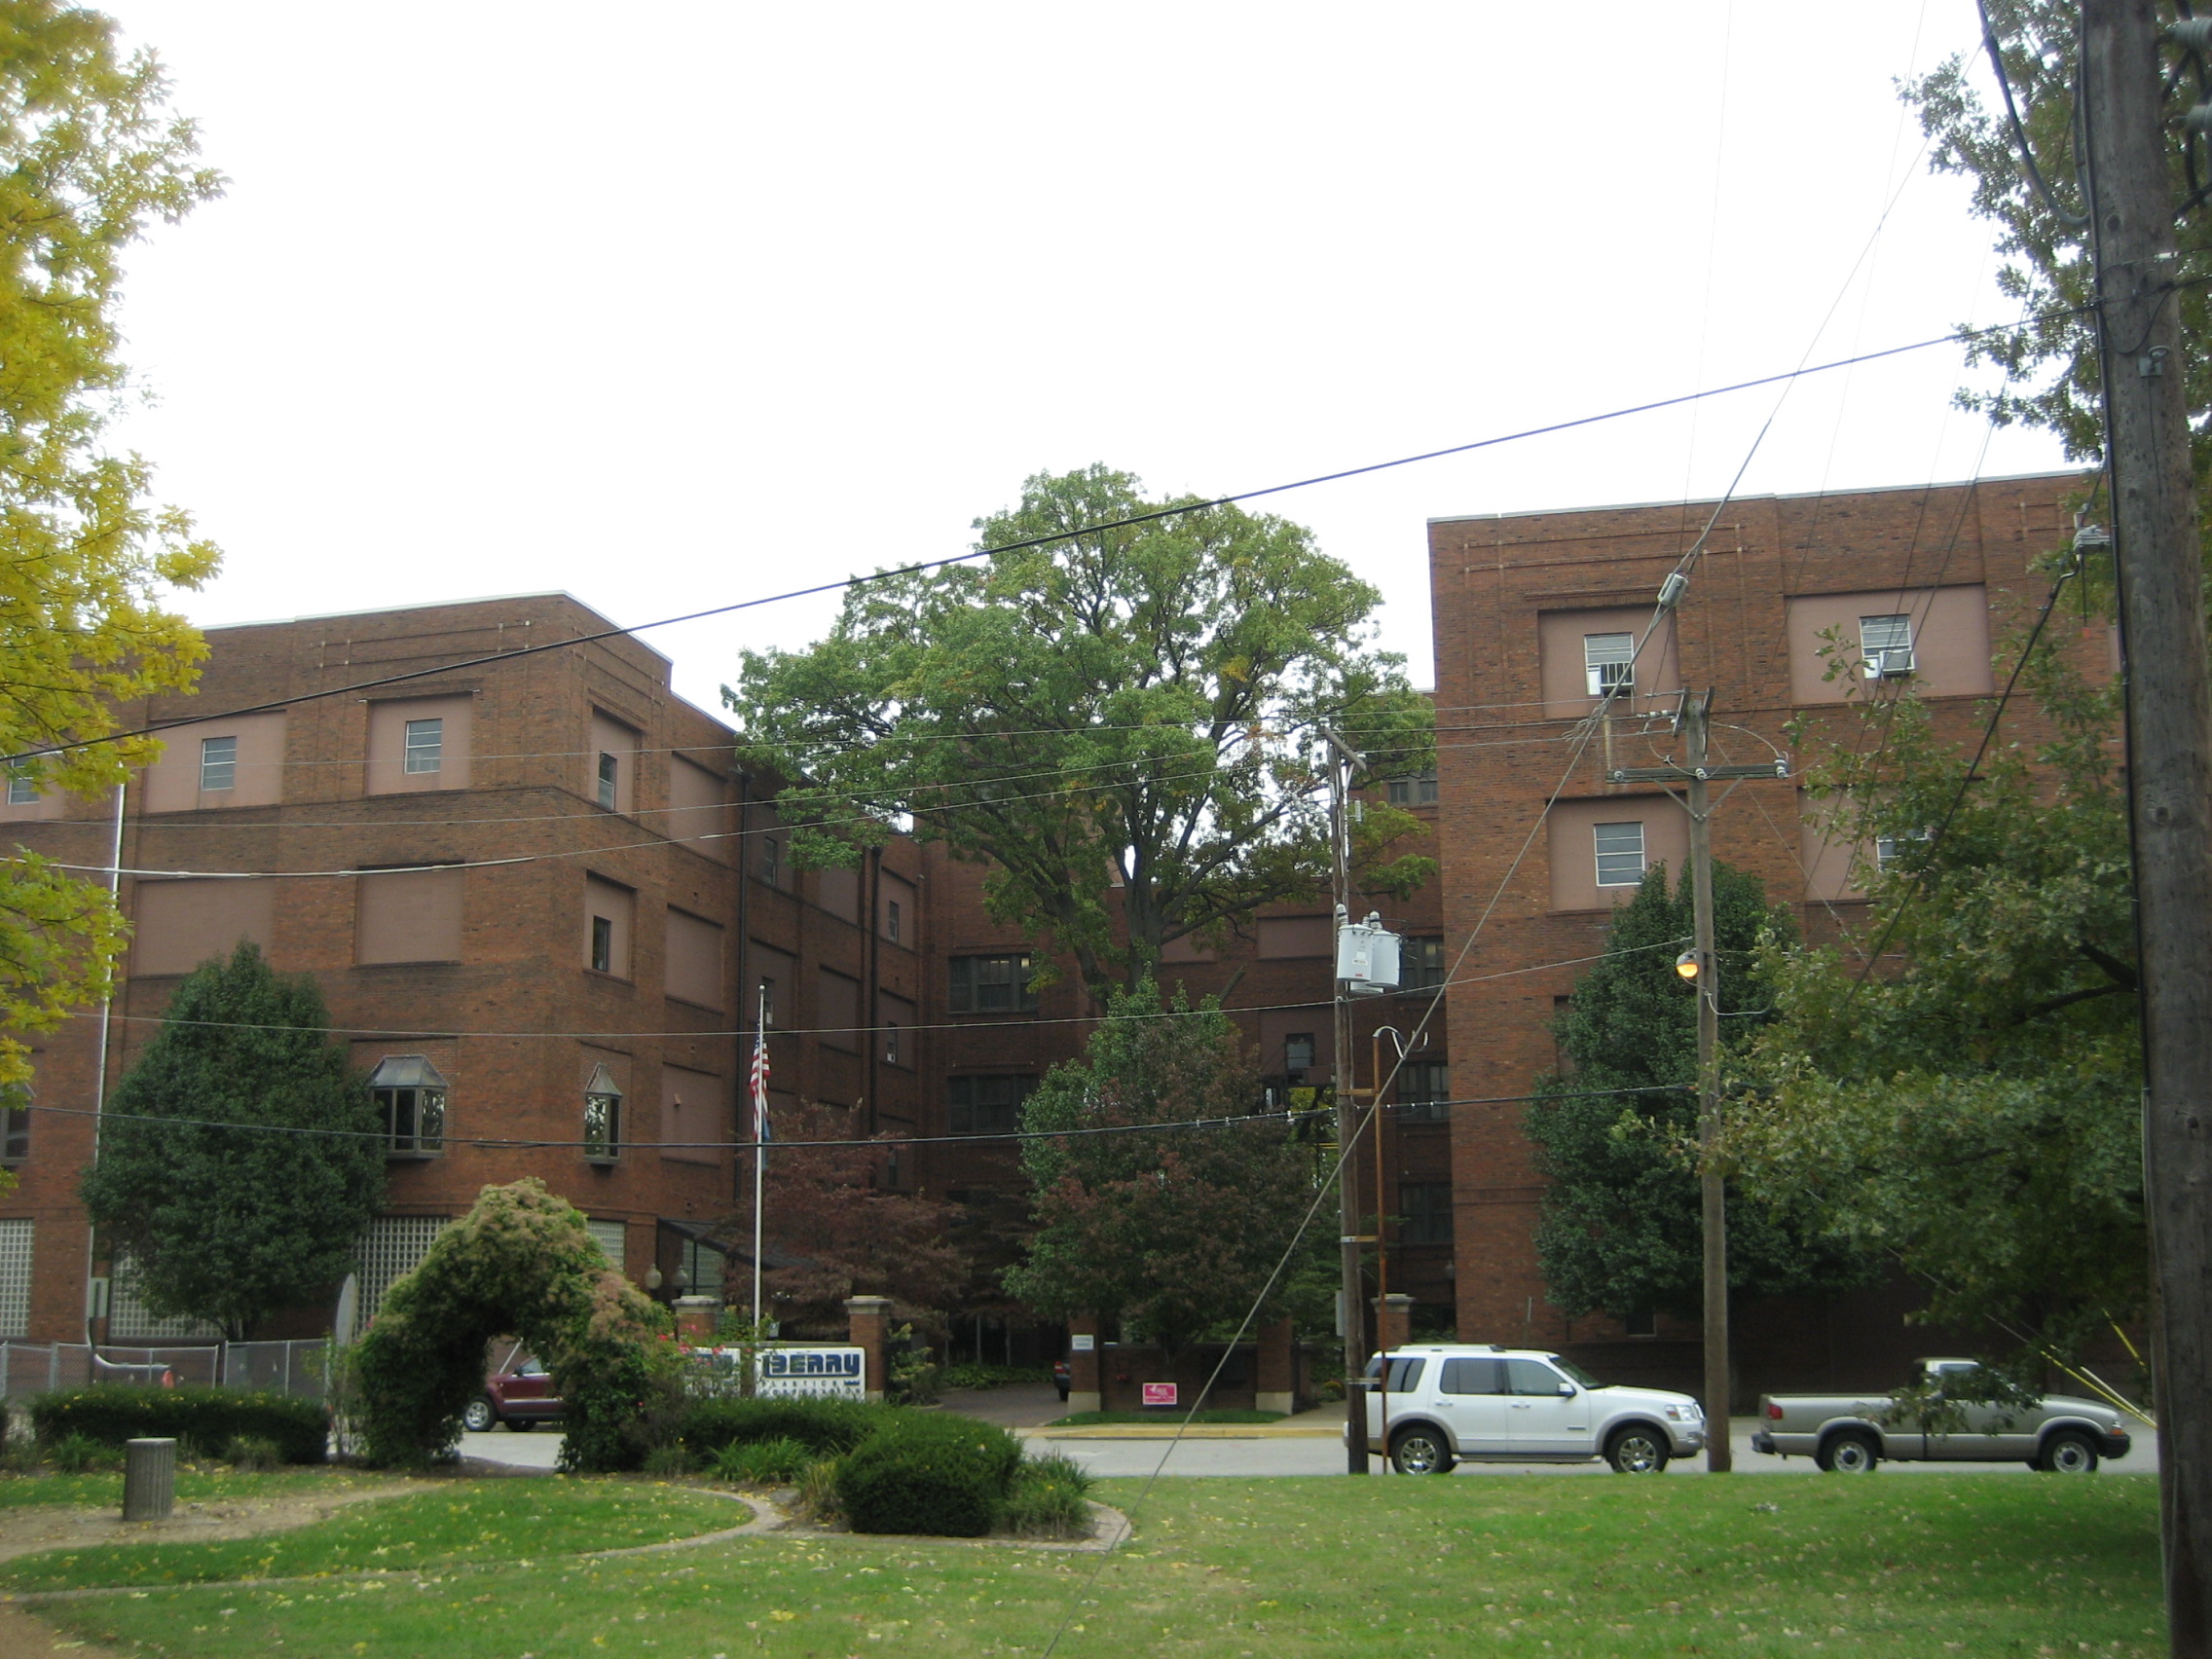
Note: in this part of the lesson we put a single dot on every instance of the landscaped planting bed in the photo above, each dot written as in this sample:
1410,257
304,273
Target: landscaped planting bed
1969,1564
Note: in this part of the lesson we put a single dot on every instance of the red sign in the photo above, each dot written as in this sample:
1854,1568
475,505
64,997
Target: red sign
1160,1394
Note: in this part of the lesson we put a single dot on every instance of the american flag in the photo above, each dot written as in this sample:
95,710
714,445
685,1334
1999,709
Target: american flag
761,1084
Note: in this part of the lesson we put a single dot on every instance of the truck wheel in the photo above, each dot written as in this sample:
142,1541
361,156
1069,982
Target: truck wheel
2068,1452
1853,1452
1637,1450
1420,1452
479,1415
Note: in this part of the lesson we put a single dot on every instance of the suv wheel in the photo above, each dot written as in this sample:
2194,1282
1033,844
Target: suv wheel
1420,1452
479,1415
1637,1450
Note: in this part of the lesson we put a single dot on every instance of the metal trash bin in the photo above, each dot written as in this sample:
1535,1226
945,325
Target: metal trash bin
149,1479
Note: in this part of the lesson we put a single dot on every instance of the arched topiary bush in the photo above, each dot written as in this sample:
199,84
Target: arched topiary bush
520,1261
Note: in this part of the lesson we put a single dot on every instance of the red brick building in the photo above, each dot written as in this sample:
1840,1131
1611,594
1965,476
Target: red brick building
1534,614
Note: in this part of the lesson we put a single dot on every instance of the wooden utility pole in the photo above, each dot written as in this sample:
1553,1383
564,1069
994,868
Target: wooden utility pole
1696,773
1341,763
2160,564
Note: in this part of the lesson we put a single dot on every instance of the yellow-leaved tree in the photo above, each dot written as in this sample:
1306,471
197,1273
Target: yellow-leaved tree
89,157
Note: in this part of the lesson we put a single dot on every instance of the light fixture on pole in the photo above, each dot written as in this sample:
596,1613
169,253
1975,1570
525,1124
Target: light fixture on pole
1686,964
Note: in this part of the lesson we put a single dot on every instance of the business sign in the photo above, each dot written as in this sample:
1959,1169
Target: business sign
1082,1343
1160,1394
795,1371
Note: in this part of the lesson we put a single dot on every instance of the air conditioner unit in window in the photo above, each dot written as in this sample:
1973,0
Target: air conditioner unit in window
1888,664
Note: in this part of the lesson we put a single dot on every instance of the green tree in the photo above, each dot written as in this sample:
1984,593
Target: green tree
1174,1232
232,1224
1621,1230
88,157
1122,722
1969,1103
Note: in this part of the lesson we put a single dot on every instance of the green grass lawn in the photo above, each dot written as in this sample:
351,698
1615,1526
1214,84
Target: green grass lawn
466,1522
105,1490
1935,1564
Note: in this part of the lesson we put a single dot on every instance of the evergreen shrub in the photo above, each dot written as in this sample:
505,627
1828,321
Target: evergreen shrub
935,1476
112,1413
828,1428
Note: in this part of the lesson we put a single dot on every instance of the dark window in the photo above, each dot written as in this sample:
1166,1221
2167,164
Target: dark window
15,1133
1420,963
1425,1089
1298,1051
891,1043
411,1104
891,920
1414,791
1405,1374
602,1116
767,1001
1426,1214
771,862
991,984
1640,1322
603,943
1473,1377
986,1105
609,770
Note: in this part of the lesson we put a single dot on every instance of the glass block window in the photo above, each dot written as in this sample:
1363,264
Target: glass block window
392,1247
15,1277
1609,663
218,762
130,1320
425,746
1620,854
1412,792
613,1241
991,984
986,1105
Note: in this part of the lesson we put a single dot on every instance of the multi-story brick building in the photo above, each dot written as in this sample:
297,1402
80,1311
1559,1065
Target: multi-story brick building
1535,614
540,903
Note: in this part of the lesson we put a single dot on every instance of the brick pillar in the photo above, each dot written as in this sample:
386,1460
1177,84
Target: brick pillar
867,1323
695,1319
1085,1393
1276,1384
1393,1320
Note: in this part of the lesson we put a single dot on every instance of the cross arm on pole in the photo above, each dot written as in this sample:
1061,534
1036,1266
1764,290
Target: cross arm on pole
1775,768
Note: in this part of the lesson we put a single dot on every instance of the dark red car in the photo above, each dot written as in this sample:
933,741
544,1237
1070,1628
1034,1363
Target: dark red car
519,1395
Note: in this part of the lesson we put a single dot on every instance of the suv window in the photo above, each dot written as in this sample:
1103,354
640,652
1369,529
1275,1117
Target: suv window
1472,1377
1405,1374
1530,1377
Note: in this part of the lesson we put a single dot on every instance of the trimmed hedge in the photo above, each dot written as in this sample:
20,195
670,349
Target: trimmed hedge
936,1476
828,1428
112,1413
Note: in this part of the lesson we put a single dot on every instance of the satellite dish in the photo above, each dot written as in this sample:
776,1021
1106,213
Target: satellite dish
348,1308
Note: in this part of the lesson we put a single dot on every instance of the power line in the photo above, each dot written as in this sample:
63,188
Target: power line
1176,510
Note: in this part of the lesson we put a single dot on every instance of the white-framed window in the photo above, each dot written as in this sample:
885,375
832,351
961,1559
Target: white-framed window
23,788
603,944
425,746
1608,662
610,771
1888,849
891,920
771,862
1885,642
1412,792
1620,853
218,762
891,1043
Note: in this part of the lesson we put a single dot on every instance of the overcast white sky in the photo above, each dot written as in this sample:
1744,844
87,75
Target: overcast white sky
699,302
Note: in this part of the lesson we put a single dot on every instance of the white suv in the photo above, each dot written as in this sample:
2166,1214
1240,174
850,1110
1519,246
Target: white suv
1448,1401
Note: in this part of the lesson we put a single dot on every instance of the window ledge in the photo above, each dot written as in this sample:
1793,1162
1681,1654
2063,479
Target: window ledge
684,1002
611,978
603,1159
391,1156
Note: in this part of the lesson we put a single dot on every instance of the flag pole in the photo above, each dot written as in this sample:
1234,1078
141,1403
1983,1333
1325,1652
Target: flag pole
759,1141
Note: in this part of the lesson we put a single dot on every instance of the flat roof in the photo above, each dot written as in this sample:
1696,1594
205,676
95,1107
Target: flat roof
1765,496
436,605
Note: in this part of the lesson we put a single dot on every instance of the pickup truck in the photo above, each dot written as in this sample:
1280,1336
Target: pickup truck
1849,1434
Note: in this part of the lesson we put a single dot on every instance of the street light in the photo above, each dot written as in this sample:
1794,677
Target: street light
1686,964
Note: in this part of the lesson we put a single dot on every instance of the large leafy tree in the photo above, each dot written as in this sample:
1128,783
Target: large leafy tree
87,159
1970,1102
1621,1229
1172,1231
239,1159
1124,723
